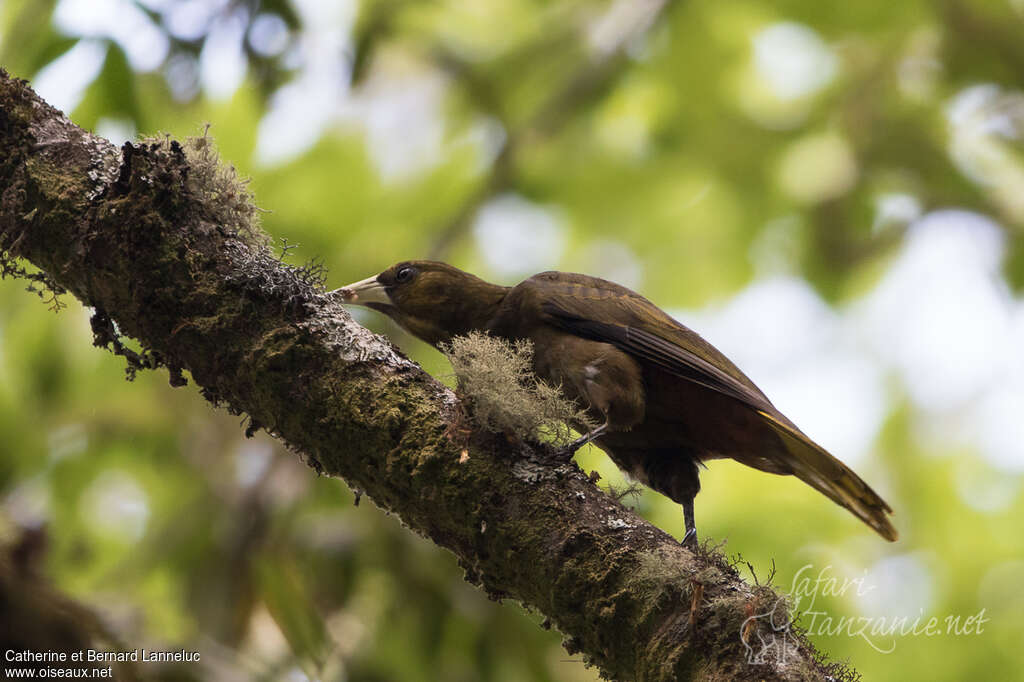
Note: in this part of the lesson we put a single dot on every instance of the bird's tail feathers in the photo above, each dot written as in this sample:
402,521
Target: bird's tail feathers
826,474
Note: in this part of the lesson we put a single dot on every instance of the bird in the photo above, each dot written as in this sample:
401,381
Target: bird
666,400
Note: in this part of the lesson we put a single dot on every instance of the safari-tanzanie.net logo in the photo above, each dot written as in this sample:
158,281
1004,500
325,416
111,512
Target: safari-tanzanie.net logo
769,634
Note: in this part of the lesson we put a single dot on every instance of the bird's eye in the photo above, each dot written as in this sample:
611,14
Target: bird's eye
404,274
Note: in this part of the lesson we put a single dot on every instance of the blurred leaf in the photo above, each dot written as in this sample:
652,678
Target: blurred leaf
112,94
26,36
287,598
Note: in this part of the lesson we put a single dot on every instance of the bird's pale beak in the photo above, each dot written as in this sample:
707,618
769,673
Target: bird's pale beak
364,292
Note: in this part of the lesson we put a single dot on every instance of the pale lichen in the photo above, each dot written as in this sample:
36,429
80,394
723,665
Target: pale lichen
496,380
216,188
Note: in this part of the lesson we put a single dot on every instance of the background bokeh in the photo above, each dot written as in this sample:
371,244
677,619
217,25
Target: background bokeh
832,193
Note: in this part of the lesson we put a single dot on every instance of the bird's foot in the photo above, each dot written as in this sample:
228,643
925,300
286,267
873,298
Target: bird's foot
689,523
690,539
563,454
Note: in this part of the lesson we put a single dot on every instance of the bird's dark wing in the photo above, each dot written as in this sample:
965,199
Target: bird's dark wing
602,311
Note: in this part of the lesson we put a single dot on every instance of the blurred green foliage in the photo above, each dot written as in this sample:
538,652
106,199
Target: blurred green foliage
722,143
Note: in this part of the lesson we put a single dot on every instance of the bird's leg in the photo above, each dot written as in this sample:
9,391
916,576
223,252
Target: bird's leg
690,539
569,450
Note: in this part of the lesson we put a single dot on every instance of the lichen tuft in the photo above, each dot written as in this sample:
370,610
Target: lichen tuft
496,380
218,192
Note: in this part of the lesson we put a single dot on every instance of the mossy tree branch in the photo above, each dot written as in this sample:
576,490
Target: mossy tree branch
167,252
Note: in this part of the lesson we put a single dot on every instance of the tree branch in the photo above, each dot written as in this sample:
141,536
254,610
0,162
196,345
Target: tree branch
166,252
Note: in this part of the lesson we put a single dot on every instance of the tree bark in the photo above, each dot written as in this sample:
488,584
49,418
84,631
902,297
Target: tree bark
176,266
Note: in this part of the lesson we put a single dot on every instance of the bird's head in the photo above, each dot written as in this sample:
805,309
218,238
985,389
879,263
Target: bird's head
433,301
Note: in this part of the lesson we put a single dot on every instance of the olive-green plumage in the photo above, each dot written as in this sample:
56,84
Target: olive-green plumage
668,400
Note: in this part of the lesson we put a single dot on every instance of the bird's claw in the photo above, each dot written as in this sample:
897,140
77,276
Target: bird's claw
690,539
563,455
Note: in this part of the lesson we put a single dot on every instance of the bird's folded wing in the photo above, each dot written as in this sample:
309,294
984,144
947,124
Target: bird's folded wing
660,341
636,326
